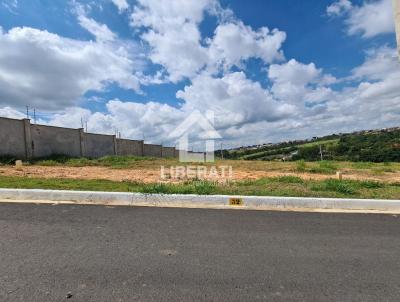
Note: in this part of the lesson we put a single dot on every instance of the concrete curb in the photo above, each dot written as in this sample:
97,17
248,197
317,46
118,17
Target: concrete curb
200,201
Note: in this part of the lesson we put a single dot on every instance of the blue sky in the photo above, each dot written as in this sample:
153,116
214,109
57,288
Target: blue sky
269,70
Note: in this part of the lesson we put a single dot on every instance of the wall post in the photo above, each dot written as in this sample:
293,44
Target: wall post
115,145
82,141
142,148
28,139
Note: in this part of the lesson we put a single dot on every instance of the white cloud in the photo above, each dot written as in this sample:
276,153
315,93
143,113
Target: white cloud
11,113
380,64
235,42
100,31
338,8
369,19
379,75
171,29
234,99
48,71
133,120
292,82
121,4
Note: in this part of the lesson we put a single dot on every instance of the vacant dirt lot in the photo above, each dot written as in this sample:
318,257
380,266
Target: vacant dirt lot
149,171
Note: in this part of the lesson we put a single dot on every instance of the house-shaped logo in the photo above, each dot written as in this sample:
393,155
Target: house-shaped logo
208,134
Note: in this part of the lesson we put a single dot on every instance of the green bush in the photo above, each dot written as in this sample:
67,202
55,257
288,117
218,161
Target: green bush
368,184
204,187
339,186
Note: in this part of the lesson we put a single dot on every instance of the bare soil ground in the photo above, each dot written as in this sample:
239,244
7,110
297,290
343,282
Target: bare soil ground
149,172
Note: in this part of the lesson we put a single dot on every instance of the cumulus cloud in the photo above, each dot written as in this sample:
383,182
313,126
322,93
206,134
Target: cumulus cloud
152,121
379,75
171,29
122,5
369,19
235,42
380,64
293,82
46,70
235,100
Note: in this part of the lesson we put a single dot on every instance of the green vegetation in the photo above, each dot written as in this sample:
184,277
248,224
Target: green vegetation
278,186
365,146
322,167
106,161
7,160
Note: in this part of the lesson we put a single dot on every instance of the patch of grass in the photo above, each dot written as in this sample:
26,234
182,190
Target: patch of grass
119,161
325,167
362,165
335,185
382,170
48,162
301,166
106,161
55,159
204,187
278,186
288,179
368,184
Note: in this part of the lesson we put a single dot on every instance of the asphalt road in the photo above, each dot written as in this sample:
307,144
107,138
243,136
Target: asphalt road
95,253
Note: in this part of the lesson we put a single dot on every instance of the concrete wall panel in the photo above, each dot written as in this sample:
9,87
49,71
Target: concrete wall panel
152,150
98,145
12,138
168,152
48,140
129,147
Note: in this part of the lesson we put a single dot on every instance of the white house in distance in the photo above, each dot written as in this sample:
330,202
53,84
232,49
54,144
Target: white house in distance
208,134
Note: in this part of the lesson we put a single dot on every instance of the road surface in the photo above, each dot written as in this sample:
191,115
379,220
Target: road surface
96,253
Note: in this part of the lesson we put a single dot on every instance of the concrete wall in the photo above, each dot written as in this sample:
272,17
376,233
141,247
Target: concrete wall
49,140
23,140
129,147
152,150
98,145
168,152
12,138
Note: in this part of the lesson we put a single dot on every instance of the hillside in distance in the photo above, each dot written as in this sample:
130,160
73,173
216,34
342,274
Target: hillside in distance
381,145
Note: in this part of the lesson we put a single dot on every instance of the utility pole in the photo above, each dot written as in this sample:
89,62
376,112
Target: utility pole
82,122
34,115
27,112
396,11
86,126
